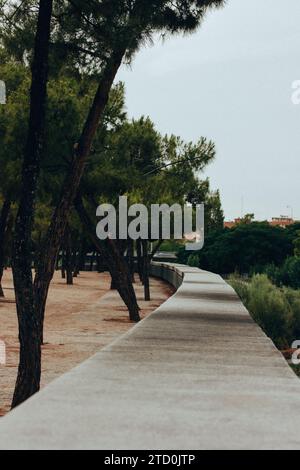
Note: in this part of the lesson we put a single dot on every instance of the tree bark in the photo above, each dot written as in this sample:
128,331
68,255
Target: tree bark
63,268
3,230
63,263
29,372
115,262
113,285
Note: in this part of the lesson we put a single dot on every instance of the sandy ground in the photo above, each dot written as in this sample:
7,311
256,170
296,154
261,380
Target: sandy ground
80,320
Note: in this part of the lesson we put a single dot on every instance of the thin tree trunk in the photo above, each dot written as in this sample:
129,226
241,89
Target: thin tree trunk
63,263
130,258
99,265
3,230
69,260
29,372
115,262
76,255
80,259
60,217
92,260
146,270
139,259
75,248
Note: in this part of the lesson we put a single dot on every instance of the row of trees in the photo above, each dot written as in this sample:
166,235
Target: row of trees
251,247
79,148
136,161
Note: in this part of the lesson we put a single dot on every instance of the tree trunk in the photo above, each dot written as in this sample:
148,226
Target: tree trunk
130,259
69,260
139,259
63,263
99,265
29,372
113,284
92,260
115,262
80,260
3,230
55,233
74,257
146,270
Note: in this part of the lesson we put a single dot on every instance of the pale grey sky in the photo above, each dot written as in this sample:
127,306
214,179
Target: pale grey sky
232,82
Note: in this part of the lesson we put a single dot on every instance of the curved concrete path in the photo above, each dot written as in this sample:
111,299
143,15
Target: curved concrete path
198,373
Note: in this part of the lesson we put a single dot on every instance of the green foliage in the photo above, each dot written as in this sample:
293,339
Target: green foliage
286,275
247,219
276,310
128,157
245,248
170,246
202,194
193,261
270,309
85,33
241,287
296,369
68,102
297,244
293,298
13,125
137,161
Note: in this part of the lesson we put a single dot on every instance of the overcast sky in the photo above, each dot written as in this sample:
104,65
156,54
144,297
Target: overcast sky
232,82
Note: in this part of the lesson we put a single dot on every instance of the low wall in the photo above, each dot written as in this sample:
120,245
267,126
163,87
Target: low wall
171,273
197,373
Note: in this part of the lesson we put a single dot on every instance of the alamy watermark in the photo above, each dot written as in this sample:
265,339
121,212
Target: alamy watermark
2,92
161,222
296,353
295,98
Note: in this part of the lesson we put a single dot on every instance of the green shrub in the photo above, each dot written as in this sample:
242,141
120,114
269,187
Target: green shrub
270,309
241,287
286,275
293,298
290,272
276,310
274,273
193,261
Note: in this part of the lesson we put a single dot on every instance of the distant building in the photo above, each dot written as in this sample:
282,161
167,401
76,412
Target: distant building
232,223
282,221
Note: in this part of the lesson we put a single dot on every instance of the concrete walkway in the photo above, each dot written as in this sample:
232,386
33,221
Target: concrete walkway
198,373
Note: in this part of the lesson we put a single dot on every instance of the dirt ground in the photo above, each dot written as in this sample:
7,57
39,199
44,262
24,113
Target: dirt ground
80,320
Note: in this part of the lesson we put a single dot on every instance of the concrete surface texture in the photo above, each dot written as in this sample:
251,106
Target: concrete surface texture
198,373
